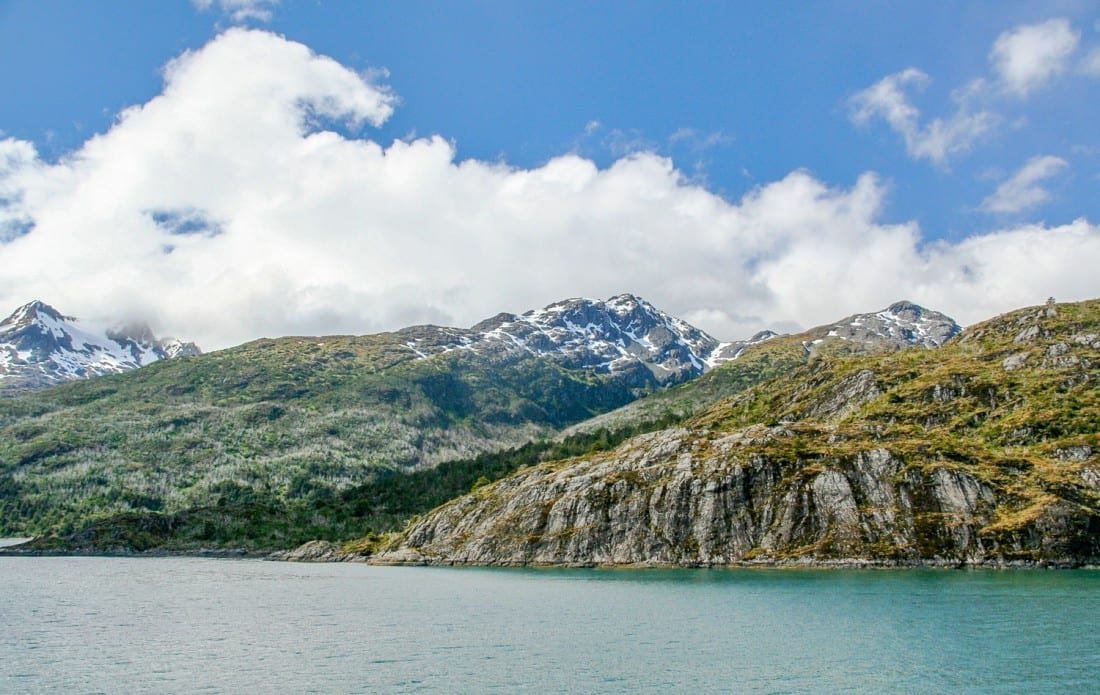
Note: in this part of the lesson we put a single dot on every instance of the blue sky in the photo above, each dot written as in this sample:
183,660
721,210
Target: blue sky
940,130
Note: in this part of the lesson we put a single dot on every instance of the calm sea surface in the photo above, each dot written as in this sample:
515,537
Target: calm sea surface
203,625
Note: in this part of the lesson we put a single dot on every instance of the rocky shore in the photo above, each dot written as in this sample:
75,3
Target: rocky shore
317,551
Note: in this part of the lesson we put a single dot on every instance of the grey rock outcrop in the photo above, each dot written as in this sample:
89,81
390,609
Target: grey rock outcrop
679,497
900,325
316,551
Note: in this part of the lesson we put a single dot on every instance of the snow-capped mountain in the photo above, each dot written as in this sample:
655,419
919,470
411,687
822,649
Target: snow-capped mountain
621,335
612,335
627,334
902,324
40,347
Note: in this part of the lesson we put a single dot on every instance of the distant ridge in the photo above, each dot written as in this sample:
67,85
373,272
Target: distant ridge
626,332
624,336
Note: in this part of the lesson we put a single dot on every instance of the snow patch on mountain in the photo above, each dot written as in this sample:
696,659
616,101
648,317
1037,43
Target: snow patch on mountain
726,352
902,324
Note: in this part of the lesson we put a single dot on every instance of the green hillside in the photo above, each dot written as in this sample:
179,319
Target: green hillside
273,421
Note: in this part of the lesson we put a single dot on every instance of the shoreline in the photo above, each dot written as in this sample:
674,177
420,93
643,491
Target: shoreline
377,561
837,564
219,553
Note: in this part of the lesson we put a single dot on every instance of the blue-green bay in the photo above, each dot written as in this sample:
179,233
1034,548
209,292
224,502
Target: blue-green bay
203,625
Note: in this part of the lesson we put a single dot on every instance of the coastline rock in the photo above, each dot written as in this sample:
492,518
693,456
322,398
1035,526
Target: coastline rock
316,551
401,556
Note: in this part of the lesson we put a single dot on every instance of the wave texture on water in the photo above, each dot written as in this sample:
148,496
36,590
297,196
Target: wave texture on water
201,625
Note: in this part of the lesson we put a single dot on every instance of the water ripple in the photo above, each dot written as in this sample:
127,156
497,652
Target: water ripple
204,625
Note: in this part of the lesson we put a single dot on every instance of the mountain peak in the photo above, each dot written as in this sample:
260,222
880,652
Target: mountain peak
905,306
627,302
909,311
34,310
899,325
40,346
623,335
619,334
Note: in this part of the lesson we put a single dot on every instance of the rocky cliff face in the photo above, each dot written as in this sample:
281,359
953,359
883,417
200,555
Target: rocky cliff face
959,456
675,498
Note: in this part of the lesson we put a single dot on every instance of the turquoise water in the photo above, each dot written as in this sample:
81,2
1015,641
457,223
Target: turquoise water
204,625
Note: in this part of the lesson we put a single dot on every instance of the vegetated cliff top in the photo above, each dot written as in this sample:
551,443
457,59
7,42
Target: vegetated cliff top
982,452
900,326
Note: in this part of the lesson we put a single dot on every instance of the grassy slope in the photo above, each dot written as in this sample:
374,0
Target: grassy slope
257,520
757,364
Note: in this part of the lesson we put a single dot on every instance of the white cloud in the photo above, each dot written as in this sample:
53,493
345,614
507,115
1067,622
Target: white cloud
936,141
221,210
241,10
1022,191
1022,59
1091,63
1030,55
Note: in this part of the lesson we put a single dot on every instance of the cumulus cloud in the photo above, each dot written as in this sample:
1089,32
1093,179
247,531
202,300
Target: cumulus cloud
936,141
1022,60
241,10
1023,191
1030,55
226,208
